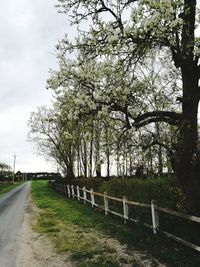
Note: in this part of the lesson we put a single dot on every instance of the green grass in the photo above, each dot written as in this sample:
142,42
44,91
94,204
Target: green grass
73,227
7,187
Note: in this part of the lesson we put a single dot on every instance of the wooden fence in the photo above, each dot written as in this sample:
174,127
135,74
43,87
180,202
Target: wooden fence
86,195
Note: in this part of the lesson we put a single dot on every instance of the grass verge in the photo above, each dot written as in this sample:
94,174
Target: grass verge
76,229
4,188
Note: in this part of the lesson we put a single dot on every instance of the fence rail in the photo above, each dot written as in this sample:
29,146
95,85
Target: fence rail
88,195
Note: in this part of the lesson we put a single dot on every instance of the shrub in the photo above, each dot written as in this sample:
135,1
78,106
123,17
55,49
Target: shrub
166,191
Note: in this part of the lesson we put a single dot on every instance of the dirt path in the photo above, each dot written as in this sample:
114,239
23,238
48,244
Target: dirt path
35,250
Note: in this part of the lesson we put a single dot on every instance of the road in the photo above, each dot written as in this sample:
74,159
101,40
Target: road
12,209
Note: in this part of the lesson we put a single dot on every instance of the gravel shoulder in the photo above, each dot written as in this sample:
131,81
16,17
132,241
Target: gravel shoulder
34,249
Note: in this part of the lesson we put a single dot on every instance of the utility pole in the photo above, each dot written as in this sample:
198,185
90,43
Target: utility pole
14,168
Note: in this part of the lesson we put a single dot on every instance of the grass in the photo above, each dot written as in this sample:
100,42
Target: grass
4,188
74,228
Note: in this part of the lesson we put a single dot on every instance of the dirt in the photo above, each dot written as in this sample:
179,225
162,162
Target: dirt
133,257
34,249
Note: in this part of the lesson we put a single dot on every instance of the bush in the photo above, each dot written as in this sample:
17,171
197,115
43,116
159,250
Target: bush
166,191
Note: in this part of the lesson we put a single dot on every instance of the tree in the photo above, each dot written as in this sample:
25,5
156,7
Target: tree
5,172
129,30
54,138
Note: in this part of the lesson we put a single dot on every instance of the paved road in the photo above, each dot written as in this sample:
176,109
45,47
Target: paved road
12,208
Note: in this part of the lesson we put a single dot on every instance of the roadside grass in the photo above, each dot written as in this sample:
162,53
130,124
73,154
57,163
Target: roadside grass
4,188
78,230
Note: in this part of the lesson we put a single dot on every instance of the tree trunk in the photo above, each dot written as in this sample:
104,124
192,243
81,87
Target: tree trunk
187,160
70,172
130,163
108,162
91,153
160,156
151,161
107,152
97,153
118,167
85,158
78,161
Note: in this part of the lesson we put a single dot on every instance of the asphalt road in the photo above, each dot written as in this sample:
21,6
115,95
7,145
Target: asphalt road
12,209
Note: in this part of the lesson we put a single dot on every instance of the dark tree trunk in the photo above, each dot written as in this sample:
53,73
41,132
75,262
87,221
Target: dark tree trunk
70,172
160,154
130,163
91,153
151,161
118,167
160,161
78,161
107,154
187,160
98,172
187,165
98,162
97,155
69,168
108,162
85,158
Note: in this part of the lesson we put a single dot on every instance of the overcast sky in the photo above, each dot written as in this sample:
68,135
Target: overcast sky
29,31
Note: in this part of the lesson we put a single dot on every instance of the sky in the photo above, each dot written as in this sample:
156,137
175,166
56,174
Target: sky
29,31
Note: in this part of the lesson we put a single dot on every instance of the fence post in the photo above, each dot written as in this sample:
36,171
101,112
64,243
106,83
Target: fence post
155,217
72,187
78,193
68,191
125,208
92,197
84,195
105,203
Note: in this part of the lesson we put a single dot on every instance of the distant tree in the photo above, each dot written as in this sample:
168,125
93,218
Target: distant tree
54,138
5,172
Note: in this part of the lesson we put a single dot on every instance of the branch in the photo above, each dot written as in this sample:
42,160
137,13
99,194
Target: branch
129,2
169,117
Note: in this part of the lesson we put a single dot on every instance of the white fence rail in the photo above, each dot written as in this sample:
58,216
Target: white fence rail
83,193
